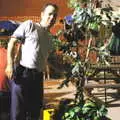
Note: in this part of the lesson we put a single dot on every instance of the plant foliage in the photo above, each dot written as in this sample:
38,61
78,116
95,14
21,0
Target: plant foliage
87,22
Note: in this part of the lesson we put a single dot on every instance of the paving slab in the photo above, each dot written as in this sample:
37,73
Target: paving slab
52,96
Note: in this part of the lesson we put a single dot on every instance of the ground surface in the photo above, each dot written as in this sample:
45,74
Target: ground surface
53,96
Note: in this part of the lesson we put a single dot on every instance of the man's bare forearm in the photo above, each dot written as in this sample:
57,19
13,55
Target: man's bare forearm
10,51
10,58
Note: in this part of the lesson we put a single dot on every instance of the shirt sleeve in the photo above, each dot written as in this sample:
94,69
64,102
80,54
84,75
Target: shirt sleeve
20,32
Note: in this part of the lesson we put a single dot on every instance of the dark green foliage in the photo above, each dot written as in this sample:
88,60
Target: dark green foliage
3,43
90,110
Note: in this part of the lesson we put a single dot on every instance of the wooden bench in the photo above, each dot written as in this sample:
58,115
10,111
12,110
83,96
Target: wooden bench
105,73
114,86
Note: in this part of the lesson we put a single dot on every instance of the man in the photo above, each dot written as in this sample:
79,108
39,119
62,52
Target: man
26,79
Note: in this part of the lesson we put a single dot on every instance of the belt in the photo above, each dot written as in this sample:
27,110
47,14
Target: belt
29,69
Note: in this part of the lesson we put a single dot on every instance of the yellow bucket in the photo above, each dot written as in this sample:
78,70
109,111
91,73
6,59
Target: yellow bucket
47,113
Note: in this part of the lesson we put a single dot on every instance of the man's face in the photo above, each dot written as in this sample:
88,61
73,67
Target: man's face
48,16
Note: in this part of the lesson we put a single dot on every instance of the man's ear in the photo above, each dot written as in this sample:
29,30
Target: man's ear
42,14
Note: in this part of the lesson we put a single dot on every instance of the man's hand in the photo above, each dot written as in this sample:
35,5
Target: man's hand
9,71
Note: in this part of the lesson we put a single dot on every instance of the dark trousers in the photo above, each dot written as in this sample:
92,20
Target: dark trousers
26,94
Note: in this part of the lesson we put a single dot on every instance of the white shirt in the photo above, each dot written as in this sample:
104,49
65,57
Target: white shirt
36,44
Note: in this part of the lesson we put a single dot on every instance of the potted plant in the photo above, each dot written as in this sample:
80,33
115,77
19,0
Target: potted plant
81,108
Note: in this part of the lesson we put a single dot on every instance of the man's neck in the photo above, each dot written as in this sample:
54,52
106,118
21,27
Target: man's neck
42,24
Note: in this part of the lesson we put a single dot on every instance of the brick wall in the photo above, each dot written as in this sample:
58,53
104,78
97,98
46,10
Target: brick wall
29,7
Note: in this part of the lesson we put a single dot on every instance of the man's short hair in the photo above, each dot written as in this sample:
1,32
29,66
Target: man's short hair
50,4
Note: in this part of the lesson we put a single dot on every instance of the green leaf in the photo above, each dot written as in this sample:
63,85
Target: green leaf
86,110
66,114
77,109
89,104
96,118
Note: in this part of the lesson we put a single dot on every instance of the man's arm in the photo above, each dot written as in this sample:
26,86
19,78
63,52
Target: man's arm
10,57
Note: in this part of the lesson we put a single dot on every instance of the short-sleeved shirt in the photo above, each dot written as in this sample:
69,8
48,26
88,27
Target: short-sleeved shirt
36,42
